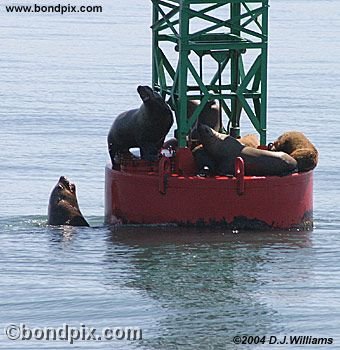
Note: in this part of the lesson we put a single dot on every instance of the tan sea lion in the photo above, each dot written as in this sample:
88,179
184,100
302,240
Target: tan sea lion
144,127
298,146
224,149
63,208
250,140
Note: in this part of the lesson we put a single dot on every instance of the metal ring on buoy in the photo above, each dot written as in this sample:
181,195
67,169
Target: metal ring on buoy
270,146
164,171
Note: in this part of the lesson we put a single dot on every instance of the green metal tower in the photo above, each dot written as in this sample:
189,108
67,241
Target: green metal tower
207,50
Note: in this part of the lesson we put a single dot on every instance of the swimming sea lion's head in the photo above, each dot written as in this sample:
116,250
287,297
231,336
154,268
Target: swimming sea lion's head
64,190
63,206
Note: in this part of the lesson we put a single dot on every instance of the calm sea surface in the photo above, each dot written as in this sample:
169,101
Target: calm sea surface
62,81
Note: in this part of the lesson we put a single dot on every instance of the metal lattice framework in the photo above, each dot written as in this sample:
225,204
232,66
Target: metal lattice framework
212,50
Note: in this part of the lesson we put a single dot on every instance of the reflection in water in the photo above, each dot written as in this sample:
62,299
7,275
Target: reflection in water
209,284
62,234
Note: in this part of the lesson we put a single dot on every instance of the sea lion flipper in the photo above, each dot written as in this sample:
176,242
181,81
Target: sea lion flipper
204,162
306,158
149,151
225,169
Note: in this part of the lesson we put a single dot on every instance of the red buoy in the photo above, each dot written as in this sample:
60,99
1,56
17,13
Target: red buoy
218,60
168,192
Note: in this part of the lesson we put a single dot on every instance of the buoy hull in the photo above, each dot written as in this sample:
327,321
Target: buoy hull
245,202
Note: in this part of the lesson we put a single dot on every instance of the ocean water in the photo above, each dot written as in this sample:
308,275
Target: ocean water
63,79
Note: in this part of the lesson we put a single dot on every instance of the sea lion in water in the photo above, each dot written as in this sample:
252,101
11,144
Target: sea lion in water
144,127
297,145
224,149
63,208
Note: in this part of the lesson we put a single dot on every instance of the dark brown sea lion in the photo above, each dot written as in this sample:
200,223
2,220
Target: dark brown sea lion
298,146
224,149
208,116
63,208
144,127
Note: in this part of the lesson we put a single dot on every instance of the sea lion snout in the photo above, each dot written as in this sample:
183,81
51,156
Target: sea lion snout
145,92
280,144
64,180
147,95
65,183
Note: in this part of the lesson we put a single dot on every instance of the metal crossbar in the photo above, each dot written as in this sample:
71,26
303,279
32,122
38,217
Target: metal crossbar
212,50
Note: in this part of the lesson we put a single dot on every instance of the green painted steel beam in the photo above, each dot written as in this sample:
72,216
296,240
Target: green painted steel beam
232,37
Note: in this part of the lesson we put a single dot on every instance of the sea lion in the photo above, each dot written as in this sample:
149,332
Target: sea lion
250,140
144,127
208,116
224,149
63,208
298,146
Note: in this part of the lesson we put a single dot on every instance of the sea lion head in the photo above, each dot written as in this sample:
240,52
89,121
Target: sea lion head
283,143
217,144
291,141
210,138
145,93
63,208
208,134
208,116
154,101
64,190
